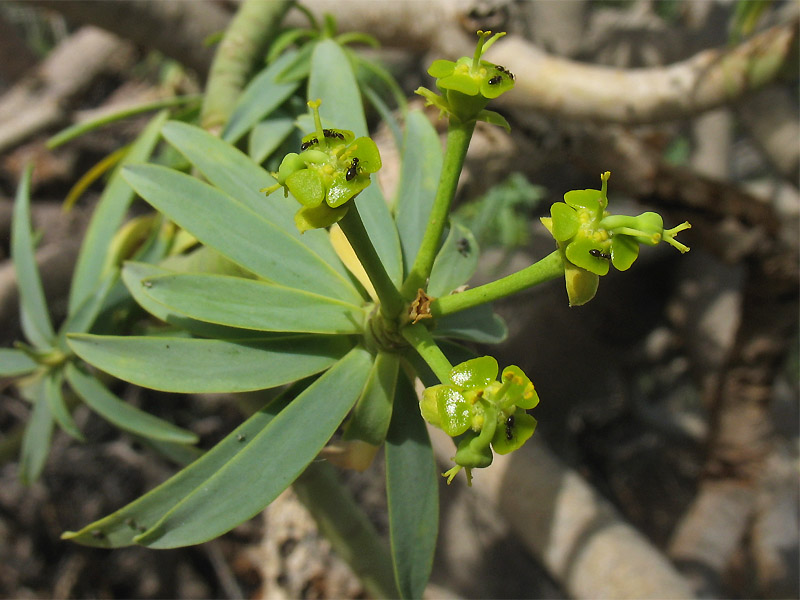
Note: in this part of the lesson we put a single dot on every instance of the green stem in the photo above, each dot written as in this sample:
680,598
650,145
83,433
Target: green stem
458,137
347,528
245,43
392,303
550,267
420,338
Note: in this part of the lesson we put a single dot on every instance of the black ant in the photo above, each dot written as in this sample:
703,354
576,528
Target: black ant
352,171
308,144
329,133
496,79
506,71
463,247
599,254
510,427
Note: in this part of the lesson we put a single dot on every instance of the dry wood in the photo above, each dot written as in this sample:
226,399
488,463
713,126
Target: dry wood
42,100
569,527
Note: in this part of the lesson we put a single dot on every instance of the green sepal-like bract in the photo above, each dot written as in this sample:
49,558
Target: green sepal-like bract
486,412
332,168
468,84
590,240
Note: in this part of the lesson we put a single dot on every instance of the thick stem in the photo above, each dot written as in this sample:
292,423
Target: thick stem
458,136
347,528
392,303
550,267
420,338
244,45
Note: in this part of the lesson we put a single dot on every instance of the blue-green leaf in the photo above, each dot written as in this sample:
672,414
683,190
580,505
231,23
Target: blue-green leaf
108,216
199,365
456,261
35,318
267,136
249,304
237,232
381,229
419,178
261,96
332,80
84,316
15,362
239,177
412,493
479,324
38,432
125,416
373,412
58,407
267,465
119,528
133,273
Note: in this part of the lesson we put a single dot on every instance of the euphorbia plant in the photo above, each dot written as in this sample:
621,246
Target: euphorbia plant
345,318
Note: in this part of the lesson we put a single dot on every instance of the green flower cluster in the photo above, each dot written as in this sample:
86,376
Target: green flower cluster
591,239
469,83
333,167
486,413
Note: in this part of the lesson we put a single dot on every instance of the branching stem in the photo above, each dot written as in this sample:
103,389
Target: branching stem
550,267
458,137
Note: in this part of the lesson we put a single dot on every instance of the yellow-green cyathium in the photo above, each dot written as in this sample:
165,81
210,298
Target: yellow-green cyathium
469,83
484,413
590,239
332,168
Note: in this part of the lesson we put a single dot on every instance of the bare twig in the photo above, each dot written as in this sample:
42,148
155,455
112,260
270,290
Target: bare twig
569,527
42,100
178,29
709,79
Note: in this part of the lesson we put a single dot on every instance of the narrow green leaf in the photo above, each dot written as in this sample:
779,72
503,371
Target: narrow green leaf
198,365
412,493
378,222
479,324
456,261
261,96
267,465
108,216
15,362
120,413
373,412
419,178
239,177
58,407
79,129
38,432
36,318
119,528
267,136
84,316
346,526
235,231
332,80
133,273
249,304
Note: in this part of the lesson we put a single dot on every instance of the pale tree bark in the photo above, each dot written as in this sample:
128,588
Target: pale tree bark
603,94
576,534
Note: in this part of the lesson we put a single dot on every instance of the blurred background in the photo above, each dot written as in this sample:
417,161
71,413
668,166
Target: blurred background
666,458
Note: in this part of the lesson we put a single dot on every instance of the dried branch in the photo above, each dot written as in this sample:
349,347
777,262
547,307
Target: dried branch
569,527
178,29
42,100
583,92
